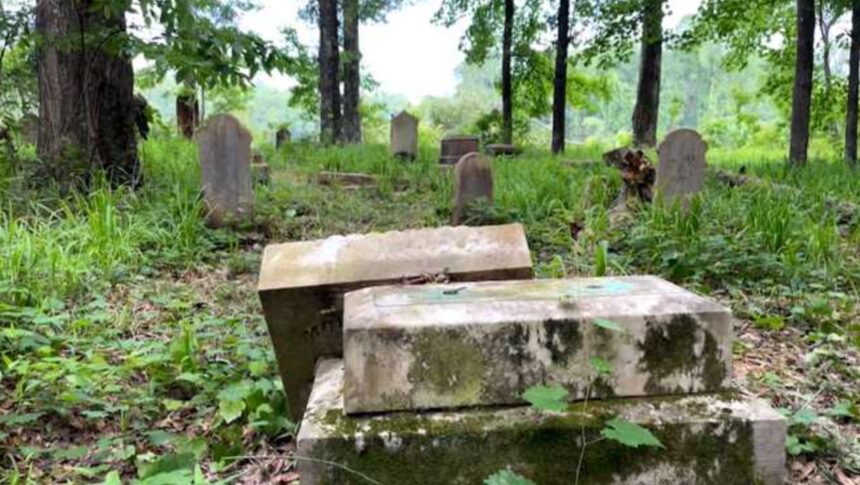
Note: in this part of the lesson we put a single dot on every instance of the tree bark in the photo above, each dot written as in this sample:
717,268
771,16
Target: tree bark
329,67
559,96
187,114
802,95
351,125
647,109
86,94
853,83
507,83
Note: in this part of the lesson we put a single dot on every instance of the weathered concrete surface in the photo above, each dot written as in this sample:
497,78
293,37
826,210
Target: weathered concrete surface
441,346
722,440
302,284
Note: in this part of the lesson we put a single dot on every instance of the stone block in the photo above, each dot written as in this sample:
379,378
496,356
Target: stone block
302,284
721,439
453,148
442,346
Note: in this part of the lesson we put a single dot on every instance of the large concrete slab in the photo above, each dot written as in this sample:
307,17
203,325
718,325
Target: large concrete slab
441,346
727,440
302,284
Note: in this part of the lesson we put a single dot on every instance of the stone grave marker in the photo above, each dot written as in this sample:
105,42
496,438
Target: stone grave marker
404,136
282,137
224,146
259,169
681,171
453,148
473,182
467,344
500,149
301,284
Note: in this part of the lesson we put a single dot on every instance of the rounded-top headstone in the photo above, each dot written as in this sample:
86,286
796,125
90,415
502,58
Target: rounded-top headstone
473,179
681,171
282,137
224,146
404,136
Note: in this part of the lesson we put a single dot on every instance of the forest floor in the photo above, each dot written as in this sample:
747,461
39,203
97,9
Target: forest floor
132,346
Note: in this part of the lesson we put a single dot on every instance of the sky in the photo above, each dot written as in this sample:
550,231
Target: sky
408,55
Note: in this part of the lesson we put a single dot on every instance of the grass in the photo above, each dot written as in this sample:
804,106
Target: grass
132,346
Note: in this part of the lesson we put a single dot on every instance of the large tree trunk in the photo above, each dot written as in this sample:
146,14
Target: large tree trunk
187,114
853,82
802,96
351,125
559,95
329,65
507,84
647,109
86,94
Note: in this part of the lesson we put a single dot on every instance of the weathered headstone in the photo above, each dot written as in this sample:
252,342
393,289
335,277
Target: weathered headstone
404,136
467,344
473,184
30,128
454,147
224,147
302,284
716,438
682,166
501,149
282,137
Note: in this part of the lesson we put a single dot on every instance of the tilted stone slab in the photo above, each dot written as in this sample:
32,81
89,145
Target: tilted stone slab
302,284
441,346
725,440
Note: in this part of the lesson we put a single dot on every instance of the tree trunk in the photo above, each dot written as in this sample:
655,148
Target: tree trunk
853,82
351,126
86,94
329,66
507,83
802,95
647,109
559,95
187,114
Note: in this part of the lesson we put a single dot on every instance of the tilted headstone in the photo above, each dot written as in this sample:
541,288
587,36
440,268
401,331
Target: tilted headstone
282,137
224,146
453,148
404,136
681,171
473,184
30,129
301,284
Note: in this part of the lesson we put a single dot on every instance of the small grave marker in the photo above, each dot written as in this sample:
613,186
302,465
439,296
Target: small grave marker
473,179
282,137
404,136
224,146
682,166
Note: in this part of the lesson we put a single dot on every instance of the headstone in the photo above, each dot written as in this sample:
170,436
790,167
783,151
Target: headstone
30,128
500,149
722,439
301,284
282,137
682,166
454,147
473,183
404,136
468,344
224,146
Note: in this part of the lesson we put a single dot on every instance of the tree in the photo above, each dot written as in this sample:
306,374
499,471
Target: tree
646,111
802,91
507,81
559,102
351,121
853,82
329,72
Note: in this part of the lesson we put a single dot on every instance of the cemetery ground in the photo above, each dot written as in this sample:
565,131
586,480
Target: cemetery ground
133,345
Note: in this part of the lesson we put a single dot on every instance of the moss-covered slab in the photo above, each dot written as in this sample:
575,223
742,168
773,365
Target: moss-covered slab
722,440
465,344
302,284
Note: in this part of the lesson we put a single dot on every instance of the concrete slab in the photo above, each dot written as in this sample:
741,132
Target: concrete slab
442,346
725,440
301,284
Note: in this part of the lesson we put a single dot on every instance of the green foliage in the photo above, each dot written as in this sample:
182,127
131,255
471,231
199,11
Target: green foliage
629,434
545,398
507,477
